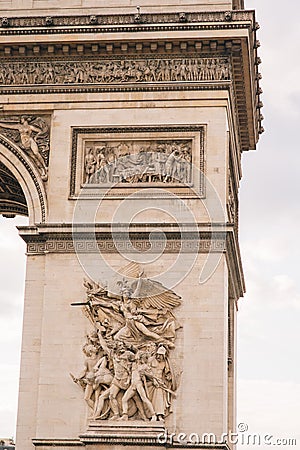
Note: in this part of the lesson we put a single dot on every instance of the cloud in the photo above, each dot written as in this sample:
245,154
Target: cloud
280,38
9,374
269,407
12,274
272,278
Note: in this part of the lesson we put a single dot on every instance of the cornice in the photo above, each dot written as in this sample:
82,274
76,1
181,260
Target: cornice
127,22
114,238
110,239
106,243
114,88
240,49
123,29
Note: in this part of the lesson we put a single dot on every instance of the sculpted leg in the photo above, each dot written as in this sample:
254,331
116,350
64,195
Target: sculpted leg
127,396
88,394
100,404
114,390
146,401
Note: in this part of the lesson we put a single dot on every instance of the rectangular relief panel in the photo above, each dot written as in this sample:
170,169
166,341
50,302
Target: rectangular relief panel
117,162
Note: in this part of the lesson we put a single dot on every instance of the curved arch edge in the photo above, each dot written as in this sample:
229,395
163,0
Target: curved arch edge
29,178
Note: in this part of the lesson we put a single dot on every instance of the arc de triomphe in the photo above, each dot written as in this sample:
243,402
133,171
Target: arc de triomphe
121,135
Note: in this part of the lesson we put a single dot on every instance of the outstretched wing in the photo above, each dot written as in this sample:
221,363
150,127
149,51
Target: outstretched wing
42,137
131,270
93,288
40,123
152,294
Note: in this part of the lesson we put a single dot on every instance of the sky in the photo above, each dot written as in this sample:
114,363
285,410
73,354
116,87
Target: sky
269,314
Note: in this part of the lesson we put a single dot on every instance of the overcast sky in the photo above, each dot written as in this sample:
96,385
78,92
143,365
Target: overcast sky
269,314
269,332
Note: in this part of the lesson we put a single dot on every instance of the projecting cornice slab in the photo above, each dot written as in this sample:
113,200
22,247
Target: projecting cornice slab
126,53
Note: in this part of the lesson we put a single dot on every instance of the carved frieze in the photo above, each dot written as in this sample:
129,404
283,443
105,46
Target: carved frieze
232,200
32,135
138,161
120,159
106,71
231,205
128,371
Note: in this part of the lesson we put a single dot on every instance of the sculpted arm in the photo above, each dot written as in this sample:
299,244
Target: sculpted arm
83,372
10,126
98,301
102,362
103,343
36,129
138,286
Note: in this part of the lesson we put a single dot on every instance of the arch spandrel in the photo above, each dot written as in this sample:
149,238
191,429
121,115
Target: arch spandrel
29,178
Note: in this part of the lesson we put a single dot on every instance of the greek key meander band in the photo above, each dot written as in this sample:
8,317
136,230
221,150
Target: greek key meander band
85,246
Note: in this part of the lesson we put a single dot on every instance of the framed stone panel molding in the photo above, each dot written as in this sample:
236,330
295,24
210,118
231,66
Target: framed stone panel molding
119,161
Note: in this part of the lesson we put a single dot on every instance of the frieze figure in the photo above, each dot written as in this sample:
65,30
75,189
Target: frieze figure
128,373
89,164
32,135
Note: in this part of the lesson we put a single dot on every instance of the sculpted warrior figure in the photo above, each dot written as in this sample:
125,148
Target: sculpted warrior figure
140,370
103,375
95,374
122,362
171,164
29,142
163,383
87,377
102,165
130,375
90,164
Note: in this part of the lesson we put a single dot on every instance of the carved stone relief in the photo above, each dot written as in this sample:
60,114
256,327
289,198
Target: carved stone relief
128,373
120,160
232,203
32,135
114,71
138,161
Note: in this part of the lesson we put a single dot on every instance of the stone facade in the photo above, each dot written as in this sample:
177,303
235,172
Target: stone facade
123,129
116,6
